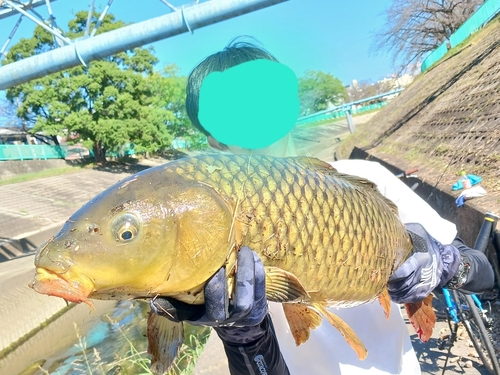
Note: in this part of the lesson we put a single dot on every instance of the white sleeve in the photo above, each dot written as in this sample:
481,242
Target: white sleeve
412,208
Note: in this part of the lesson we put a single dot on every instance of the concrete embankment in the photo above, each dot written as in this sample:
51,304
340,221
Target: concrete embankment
30,213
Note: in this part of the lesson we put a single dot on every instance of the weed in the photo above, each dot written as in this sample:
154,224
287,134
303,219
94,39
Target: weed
45,173
136,361
82,344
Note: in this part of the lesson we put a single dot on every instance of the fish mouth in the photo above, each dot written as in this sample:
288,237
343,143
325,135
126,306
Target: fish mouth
50,283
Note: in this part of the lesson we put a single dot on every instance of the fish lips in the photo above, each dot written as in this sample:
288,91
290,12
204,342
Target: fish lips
50,283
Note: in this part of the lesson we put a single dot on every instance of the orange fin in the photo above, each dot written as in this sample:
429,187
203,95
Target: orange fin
346,331
283,286
301,319
422,317
385,301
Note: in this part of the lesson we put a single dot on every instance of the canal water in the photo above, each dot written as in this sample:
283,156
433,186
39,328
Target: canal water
110,341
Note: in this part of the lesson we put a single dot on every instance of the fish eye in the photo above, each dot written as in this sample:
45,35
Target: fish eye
125,227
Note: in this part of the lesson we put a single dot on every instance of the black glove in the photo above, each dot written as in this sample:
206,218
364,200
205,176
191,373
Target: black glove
431,264
247,308
475,273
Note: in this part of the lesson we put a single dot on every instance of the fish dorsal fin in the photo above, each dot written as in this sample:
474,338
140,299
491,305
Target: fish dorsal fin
165,337
422,317
315,164
344,330
363,184
283,286
301,319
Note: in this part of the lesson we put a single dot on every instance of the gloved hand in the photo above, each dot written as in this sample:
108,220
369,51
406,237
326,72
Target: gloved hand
248,307
432,264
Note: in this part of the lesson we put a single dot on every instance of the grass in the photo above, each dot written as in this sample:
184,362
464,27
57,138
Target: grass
471,39
133,359
45,173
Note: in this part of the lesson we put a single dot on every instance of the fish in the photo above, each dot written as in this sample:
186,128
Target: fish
325,239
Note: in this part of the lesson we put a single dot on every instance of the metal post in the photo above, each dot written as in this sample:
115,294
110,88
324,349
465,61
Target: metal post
350,123
126,38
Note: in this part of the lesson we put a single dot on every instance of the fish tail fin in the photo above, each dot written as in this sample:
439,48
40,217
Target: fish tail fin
422,317
301,319
346,331
164,340
385,301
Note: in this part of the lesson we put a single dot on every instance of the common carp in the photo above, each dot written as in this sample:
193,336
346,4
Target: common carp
325,238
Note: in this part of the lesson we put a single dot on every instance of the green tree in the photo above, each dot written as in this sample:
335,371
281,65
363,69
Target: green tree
170,94
103,105
318,90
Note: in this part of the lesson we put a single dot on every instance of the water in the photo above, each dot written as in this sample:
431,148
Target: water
108,344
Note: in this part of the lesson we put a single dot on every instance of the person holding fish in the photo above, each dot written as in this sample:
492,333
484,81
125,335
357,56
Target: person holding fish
246,102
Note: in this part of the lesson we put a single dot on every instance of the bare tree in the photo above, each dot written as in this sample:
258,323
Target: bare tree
413,28
365,89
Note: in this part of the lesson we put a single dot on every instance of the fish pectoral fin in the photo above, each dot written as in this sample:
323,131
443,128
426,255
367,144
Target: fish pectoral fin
346,331
385,301
301,319
283,286
422,317
164,340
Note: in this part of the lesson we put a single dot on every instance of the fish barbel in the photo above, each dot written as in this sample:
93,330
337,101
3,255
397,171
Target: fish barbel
325,239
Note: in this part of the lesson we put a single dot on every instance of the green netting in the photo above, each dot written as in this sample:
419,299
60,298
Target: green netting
485,13
29,152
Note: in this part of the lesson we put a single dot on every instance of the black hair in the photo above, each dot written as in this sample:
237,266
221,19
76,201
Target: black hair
235,53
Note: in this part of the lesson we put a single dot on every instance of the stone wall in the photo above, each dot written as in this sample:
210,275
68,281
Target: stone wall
11,168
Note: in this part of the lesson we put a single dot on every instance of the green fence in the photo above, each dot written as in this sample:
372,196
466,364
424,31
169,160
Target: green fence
339,114
29,152
485,13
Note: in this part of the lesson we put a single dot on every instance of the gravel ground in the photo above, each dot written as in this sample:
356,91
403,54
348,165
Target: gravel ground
463,358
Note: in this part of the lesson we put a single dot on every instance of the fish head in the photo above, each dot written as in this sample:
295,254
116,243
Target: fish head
143,237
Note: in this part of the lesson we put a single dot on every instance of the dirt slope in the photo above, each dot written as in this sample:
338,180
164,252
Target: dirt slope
448,120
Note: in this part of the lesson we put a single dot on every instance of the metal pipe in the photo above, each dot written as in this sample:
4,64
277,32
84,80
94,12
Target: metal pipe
37,21
172,8
26,6
101,17
89,18
346,106
11,35
126,38
49,9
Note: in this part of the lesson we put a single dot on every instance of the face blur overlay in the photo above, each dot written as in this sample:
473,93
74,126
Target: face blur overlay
250,106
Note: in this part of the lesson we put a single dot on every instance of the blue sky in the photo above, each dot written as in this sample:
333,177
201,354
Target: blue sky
332,36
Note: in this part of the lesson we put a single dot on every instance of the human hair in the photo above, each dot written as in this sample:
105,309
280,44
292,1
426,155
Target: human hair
235,53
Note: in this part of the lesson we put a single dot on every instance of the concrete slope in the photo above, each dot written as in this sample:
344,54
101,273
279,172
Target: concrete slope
446,121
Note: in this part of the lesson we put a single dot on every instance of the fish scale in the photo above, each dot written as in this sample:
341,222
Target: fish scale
295,216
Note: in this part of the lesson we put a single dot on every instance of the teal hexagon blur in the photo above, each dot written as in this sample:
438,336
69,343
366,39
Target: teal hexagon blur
251,105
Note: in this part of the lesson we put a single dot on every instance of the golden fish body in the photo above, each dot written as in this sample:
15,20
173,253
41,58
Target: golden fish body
326,238
336,233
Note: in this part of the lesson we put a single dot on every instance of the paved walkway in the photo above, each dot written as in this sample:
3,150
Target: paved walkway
28,207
